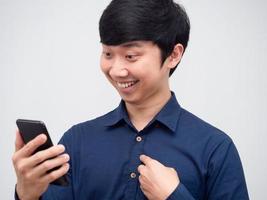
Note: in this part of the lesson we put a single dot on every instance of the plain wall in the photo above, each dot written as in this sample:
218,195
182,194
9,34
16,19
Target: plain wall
49,70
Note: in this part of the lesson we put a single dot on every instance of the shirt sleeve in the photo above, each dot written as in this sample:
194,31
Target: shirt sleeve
225,178
56,192
180,193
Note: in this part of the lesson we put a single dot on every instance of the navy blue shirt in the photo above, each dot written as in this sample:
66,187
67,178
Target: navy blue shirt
105,154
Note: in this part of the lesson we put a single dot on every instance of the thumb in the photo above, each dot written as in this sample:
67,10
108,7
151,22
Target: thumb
145,159
148,160
18,142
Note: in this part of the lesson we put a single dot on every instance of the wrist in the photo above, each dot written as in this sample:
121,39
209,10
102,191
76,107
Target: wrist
20,196
170,192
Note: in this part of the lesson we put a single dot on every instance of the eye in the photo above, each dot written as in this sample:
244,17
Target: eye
107,55
131,57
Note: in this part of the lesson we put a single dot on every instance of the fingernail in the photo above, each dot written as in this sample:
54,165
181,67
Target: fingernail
43,136
61,147
67,165
66,157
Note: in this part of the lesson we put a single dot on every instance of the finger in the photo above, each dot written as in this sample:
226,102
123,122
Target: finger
55,174
141,180
141,169
144,190
145,159
143,183
41,156
142,187
50,164
31,146
18,142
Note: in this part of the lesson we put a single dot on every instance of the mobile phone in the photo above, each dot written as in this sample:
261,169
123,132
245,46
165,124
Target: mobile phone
29,129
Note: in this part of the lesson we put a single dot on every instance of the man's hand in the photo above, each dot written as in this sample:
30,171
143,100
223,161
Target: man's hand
156,180
31,170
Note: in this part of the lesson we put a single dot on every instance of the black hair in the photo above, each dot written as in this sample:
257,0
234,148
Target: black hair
163,22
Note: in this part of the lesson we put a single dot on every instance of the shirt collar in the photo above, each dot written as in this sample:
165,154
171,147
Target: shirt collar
168,115
117,115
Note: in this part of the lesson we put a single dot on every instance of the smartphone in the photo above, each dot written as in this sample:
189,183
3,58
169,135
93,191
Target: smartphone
29,129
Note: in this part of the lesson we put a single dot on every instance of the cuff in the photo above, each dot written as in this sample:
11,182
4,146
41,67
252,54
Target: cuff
180,193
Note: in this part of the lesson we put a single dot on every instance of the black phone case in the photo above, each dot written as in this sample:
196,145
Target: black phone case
29,129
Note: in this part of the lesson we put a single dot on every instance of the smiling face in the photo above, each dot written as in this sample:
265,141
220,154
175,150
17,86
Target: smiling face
135,69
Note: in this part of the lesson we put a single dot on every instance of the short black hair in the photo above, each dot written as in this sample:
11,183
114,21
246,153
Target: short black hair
163,22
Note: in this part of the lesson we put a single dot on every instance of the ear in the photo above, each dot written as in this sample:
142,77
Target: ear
175,56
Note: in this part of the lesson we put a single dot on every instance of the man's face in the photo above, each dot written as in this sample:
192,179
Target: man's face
135,70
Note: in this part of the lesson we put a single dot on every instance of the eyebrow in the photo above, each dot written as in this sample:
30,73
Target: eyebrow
131,44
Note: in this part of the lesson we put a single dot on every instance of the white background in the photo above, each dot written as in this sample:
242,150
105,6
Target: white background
49,70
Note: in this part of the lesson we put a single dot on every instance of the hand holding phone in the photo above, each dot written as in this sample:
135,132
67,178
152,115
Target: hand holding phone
35,165
30,129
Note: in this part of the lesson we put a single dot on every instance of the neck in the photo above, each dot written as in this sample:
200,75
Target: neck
141,114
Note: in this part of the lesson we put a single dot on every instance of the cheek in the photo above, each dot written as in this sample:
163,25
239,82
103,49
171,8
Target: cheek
104,65
151,70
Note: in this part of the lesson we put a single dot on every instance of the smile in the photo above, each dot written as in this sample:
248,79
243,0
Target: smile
126,84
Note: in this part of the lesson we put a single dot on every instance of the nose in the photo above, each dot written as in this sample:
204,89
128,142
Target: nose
118,70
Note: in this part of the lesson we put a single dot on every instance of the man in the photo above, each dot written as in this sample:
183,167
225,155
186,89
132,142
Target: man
148,147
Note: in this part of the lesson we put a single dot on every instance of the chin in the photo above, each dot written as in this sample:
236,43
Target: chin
131,99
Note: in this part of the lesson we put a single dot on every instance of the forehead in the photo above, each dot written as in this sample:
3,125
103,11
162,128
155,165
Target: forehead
129,45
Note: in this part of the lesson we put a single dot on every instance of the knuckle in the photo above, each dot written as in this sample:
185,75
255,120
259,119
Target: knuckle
21,169
38,157
14,159
27,176
46,166
150,162
28,147
52,176
44,181
53,151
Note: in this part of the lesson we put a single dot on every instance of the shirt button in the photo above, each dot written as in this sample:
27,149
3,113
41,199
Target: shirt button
133,175
138,139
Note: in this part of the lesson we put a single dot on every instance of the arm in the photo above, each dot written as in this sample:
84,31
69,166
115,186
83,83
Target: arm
225,179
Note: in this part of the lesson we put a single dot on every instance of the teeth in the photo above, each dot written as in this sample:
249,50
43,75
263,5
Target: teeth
126,85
